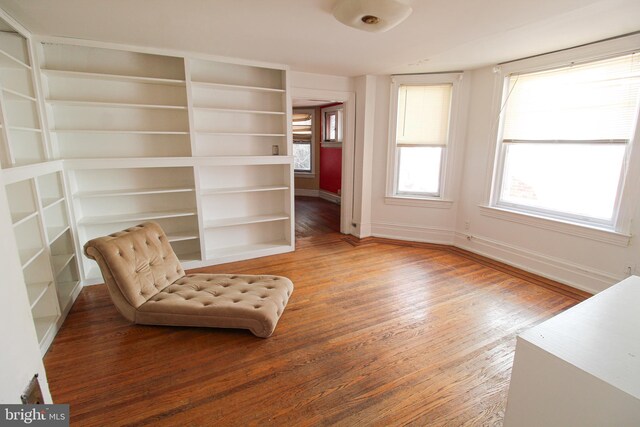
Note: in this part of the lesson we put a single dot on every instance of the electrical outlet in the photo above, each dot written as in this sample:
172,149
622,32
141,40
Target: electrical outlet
467,225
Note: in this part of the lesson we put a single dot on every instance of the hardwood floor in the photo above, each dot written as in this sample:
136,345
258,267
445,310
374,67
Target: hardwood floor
316,216
376,332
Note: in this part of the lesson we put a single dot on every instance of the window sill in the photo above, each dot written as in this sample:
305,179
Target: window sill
418,202
304,175
572,229
328,144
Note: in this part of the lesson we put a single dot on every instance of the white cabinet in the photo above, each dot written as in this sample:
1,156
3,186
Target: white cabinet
581,367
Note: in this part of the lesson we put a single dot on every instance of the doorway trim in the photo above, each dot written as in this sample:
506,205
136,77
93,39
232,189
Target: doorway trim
348,145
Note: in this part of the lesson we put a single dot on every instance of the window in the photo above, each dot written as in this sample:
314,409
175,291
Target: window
303,141
421,116
332,118
565,139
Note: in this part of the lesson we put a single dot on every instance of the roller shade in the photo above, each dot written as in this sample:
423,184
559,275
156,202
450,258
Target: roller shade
593,102
423,115
301,127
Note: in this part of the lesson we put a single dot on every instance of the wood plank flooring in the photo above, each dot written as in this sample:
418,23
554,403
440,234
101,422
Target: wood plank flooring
375,333
316,216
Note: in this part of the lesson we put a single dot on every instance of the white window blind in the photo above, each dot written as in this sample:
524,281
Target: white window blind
594,102
423,115
301,126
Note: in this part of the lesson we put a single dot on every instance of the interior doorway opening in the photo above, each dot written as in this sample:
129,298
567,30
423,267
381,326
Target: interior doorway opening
318,130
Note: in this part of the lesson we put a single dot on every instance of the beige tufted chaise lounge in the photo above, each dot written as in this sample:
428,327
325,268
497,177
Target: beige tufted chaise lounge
148,286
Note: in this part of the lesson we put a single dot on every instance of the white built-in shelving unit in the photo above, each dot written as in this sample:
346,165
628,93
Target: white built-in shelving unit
105,103
22,136
96,139
46,247
111,199
240,117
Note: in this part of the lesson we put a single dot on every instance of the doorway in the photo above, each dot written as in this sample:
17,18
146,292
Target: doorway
318,135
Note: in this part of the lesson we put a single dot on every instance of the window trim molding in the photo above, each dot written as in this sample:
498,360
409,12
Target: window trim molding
448,161
626,198
339,123
311,173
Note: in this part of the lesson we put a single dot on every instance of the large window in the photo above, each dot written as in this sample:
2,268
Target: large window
303,141
420,134
565,139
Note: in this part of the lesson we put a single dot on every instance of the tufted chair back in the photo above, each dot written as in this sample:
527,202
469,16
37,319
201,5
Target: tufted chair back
136,264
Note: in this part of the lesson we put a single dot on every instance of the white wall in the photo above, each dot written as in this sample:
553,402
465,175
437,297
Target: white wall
20,355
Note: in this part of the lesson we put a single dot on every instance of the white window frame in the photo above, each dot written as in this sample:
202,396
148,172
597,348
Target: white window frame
312,173
443,199
618,231
332,143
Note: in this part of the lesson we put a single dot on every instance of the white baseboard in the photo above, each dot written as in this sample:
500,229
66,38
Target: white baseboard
307,192
413,233
334,198
575,275
326,195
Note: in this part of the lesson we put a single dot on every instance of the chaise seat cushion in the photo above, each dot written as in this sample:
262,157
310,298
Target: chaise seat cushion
219,300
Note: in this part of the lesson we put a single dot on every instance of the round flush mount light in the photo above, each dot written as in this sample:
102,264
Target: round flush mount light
371,15
370,19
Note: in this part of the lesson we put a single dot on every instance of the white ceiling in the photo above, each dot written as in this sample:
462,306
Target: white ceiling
440,35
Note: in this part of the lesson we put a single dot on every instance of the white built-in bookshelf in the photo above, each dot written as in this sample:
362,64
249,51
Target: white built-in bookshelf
22,137
98,139
104,103
46,248
240,117
110,199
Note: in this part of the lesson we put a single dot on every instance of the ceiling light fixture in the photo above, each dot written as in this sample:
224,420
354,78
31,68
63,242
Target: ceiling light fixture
371,15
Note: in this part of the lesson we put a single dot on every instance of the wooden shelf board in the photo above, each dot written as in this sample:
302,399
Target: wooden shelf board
43,325
236,87
215,191
115,77
60,262
182,236
123,131
142,216
24,129
245,249
20,217
210,132
232,110
48,202
72,103
54,233
15,95
133,192
36,291
227,222
29,255
9,61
